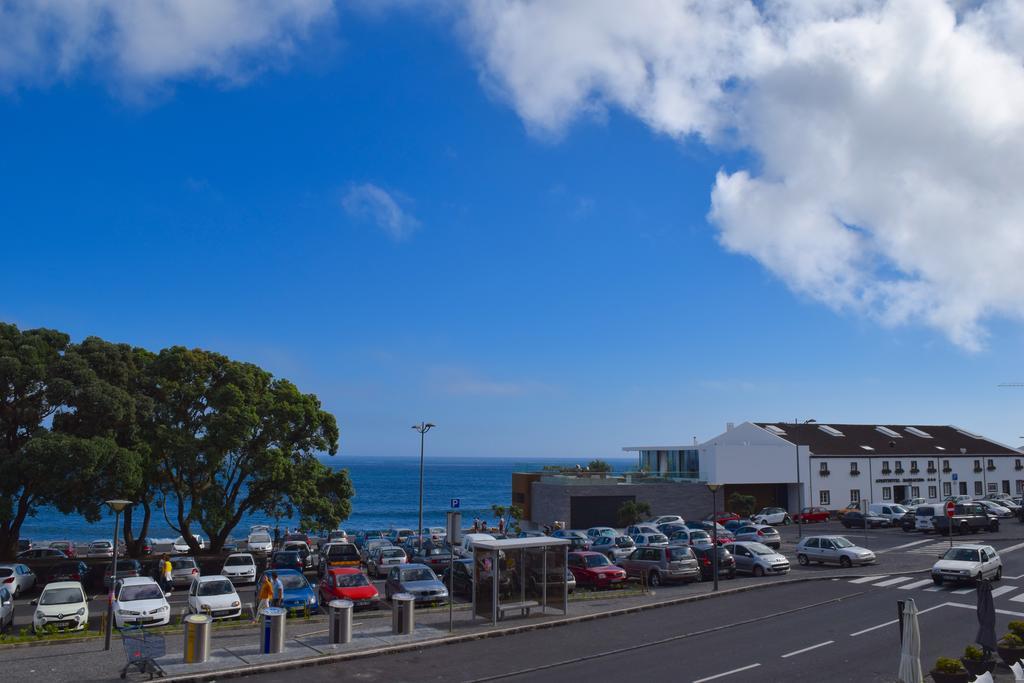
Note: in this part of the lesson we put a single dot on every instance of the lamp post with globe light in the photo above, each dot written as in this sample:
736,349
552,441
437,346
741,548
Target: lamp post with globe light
714,531
117,506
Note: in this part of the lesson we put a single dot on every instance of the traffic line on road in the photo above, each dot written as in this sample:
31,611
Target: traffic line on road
916,584
974,607
868,579
893,582
1017,598
1002,590
1012,548
894,621
808,649
934,589
963,591
727,673
905,545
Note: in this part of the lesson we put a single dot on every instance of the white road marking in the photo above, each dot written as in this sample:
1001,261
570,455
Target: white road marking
934,589
808,649
1013,578
1017,598
896,621
905,545
963,591
916,584
727,673
893,582
867,579
1002,590
974,607
1010,549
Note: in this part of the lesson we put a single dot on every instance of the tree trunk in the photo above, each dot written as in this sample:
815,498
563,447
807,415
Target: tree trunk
133,543
10,532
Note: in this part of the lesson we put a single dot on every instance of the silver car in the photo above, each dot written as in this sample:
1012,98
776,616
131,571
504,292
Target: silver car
17,578
758,559
613,547
832,550
183,570
418,580
658,564
759,533
383,559
6,610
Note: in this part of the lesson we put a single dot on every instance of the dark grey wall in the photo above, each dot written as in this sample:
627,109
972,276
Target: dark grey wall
551,502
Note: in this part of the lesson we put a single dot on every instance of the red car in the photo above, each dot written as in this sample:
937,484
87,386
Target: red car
723,517
348,583
812,515
596,570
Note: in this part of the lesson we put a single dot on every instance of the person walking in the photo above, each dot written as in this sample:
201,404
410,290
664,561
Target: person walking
264,594
165,570
501,525
278,590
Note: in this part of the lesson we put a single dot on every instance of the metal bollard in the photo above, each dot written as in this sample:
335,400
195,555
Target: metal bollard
197,638
403,617
341,621
272,633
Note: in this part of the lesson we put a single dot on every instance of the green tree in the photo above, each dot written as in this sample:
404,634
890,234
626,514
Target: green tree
742,504
231,440
599,466
632,512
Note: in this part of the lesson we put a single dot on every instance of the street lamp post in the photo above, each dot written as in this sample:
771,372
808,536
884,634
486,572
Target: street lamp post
422,428
799,493
714,531
117,506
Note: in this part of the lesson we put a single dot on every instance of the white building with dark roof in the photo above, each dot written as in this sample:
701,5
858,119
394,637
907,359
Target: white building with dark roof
795,465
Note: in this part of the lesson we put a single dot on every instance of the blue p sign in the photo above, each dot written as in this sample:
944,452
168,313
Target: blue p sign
455,503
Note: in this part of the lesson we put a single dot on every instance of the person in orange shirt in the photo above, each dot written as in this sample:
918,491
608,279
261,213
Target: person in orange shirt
263,596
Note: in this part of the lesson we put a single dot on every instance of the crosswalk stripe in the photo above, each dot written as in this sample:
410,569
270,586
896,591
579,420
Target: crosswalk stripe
866,579
1017,598
933,589
964,591
893,582
1002,590
917,584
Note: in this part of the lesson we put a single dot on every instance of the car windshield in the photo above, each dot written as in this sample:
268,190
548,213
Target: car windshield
699,535
350,580
259,538
145,591
434,551
842,542
216,588
6,571
292,581
392,552
417,575
760,549
61,596
596,561
657,538
899,508
961,555
624,542
679,553
238,560
345,551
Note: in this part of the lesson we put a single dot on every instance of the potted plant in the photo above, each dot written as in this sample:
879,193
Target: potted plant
948,670
1011,646
976,661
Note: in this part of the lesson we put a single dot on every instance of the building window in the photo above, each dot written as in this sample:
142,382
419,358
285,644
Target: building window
1006,485
885,467
1017,465
899,467
855,495
931,467
963,488
915,491
977,488
855,471
824,498
933,493
977,466
886,493
945,467
993,487
913,467
1020,486
947,488
991,465
823,469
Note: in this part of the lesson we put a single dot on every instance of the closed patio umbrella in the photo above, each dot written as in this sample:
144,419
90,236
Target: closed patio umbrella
910,652
986,617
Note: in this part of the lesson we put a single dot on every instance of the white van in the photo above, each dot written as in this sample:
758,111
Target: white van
466,549
891,511
925,516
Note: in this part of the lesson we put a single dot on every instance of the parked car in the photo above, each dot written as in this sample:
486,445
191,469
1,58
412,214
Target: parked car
214,595
650,539
666,519
383,559
338,555
968,517
891,512
259,542
24,544
72,570
370,546
339,535
466,548
6,611
852,506
760,533
968,563
705,560
994,508
17,578
399,536
963,498
911,503
758,559
183,570
832,550
908,522
463,579
302,548
722,517
437,557
299,594
41,554
578,540
812,514
125,569
858,520
734,524
66,547
595,570
286,559
925,515
418,580
670,528
660,564
227,548
100,549
62,605
180,546
690,537
772,516
139,601
709,527
614,547
637,529
596,532
239,568
348,583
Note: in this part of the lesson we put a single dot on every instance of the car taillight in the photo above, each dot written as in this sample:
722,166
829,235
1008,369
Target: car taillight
76,577
9,579
706,561
760,532
195,571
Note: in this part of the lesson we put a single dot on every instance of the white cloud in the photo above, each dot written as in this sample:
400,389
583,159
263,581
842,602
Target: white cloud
457,381
139,44
888,136
370,202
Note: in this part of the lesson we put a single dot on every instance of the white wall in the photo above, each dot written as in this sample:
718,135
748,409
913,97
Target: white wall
748,454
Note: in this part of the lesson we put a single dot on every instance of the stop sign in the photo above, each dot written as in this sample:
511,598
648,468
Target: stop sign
950,508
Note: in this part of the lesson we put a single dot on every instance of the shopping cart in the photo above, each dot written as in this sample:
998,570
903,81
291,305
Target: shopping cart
141,650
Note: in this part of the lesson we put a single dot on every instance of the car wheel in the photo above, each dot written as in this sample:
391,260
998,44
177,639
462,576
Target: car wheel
758,571
732,574
964,528
17,591
999,574
787,521
937,580
844,562
846,525
979,577
654,579
802,559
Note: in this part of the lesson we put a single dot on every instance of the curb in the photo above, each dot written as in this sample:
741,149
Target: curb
497,633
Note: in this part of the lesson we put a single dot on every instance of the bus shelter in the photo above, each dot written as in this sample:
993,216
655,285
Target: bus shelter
519,575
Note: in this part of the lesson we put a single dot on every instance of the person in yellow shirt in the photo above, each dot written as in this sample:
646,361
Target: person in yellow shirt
166,574
263,596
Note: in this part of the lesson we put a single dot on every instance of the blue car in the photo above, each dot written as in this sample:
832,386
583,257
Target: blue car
298,593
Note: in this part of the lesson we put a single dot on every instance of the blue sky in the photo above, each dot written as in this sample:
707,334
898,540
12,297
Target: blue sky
376,220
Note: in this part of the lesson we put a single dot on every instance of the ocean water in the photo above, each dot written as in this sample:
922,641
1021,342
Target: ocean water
387,495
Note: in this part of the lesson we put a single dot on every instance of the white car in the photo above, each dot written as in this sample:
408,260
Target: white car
650,539
62,605
595,532
239,568
960,499
260,542
913,502
139,601
180,546
968,563
772,516
17,578
216,596
100,549
995,508
667,519
614,548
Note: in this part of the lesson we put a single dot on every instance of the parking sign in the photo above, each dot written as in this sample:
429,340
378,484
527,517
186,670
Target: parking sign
455,503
